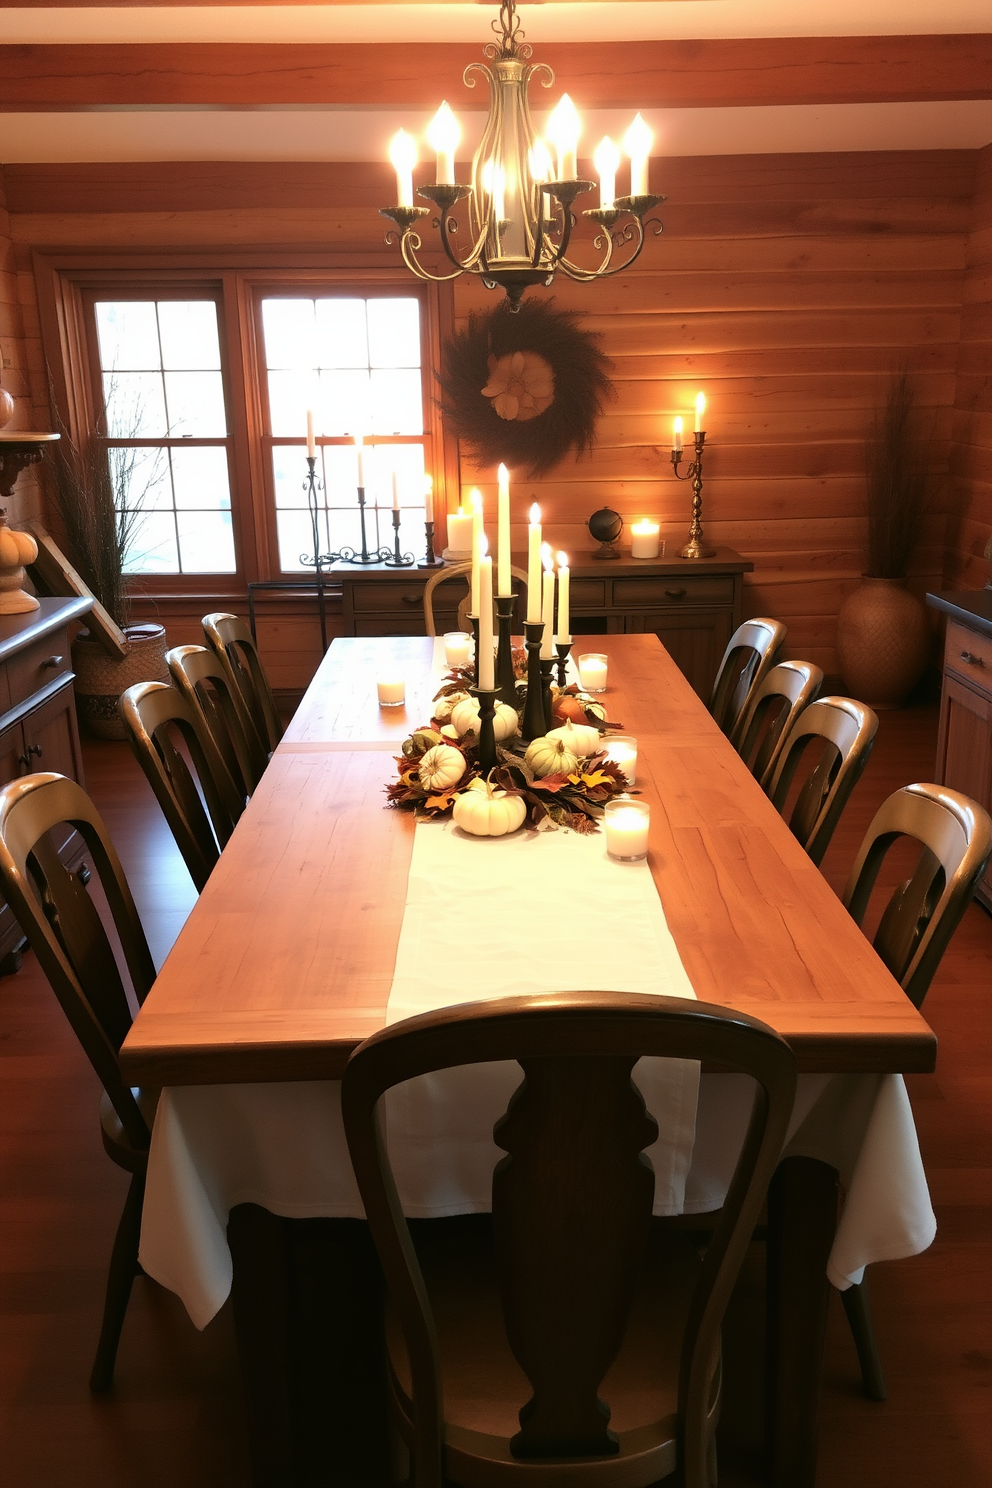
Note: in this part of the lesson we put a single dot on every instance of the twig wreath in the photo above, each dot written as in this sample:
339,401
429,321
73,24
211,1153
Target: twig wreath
524,387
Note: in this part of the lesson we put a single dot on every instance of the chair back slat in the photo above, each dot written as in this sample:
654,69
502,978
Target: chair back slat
571,1214
207,688
774,706
462,570
845,731
749,656
235,648
922,914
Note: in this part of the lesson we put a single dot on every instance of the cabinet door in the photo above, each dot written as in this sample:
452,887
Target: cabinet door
52,743
11,936
695,639
964,753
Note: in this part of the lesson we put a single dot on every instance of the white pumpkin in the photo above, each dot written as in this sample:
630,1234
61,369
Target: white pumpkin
579,739
486,812
441,767
444,705
465,719
547,756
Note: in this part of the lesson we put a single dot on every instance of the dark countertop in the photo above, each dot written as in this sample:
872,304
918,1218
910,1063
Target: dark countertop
18,631
971,607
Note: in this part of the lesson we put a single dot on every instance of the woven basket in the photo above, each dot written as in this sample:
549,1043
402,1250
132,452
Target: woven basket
100,679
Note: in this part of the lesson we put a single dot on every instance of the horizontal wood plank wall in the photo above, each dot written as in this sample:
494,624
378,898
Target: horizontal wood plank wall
13,374
788,287
970,525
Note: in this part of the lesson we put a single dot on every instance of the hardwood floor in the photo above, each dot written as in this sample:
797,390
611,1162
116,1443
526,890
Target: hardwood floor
175,1415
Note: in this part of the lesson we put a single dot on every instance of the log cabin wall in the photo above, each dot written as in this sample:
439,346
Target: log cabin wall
970,524
13,376
788,287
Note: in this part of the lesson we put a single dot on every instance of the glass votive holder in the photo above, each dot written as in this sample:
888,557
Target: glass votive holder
622,750
592,671
627,823
392,693
457,648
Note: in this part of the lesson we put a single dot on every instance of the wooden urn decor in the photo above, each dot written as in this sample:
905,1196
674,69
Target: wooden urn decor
17,451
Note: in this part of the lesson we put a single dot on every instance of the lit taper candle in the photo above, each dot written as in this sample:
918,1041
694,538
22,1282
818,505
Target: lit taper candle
479,547
548,604
504,576
637,142
700,410
443,134
677,436
564,617
564,129
485,660
403,157
606,160
311,442
360,452
534,566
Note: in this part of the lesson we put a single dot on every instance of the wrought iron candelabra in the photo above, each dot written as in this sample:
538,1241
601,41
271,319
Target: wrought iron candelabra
397,559
695,547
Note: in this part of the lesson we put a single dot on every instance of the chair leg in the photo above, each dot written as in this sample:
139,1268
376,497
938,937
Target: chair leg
123,1269
857,1305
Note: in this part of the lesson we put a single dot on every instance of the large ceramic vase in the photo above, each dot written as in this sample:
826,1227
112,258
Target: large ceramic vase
101,678
883,642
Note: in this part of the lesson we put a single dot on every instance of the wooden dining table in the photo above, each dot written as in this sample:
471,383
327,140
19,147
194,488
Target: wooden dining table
286,961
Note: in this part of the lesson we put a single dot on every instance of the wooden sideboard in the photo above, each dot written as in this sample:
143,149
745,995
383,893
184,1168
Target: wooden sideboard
37,718
693,605
964,741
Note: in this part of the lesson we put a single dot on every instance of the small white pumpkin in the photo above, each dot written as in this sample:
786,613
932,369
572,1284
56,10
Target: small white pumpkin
547,756
465,719
441,767
579,739
444,705
486,812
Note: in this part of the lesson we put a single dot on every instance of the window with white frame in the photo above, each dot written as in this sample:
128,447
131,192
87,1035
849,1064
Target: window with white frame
356,362
167,433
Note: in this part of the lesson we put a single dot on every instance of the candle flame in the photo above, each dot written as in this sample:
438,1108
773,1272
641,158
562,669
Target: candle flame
678,425
546,558
607,156
359,441
402,151
535,515
562,560
638,139
444,131
564,124
503,476
645,527
700,402
483,546
475,497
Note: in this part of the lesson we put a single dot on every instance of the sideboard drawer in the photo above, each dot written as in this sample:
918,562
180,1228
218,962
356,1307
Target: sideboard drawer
689,589
969,654
588,594
389,599
38,664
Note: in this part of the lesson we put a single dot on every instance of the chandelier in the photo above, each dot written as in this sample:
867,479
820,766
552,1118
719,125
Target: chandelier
519,203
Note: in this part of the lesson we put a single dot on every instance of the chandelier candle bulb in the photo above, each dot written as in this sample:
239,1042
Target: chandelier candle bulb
457,648
478,549
644,539
637,142
504,576
311,442
677,437
484,661
622,750
443,135
564,617
548,604
392,693
403,158
564,129
700,410
627,825
592,671
534,566
606,160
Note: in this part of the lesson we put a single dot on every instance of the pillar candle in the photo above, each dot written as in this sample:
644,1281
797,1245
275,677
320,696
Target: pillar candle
644,539
627,826
478,538
548,603
460,531
504,576
534,565
311,442
564,618
485,659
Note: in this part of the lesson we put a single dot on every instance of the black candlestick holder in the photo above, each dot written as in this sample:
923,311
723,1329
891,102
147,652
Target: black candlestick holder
313,560
695,547
397,559
563,648
534,724
487,734
474,621
429,559
506,682
547,675
380,555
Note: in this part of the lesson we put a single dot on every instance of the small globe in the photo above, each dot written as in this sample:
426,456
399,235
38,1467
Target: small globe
605,525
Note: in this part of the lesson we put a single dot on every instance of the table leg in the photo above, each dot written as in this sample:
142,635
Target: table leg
802,1218
308,1312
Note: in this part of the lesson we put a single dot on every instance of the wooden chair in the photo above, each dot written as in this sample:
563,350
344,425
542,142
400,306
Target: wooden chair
774,705
846,731
573,1287
454,571
157,719
70,941
916,925
211,696
750,654
234,646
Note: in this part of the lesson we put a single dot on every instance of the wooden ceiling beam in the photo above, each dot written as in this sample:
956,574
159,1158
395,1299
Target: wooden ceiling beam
678,74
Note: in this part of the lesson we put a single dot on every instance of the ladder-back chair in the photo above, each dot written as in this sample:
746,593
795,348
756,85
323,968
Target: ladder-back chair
157,720
459,570
844,732
775,704
234,646
69,938
573,1289
207,688
750,654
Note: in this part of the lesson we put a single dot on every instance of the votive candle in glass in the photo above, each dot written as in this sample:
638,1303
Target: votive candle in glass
644,539
392,693
622,750
592,672
457,648
627,824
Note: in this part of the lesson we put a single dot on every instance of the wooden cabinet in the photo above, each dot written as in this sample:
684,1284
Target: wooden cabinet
964,741
38,722
694,606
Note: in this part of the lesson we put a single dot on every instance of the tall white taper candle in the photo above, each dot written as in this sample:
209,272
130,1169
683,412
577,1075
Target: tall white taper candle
504,577
534,565
486,663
